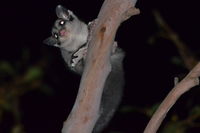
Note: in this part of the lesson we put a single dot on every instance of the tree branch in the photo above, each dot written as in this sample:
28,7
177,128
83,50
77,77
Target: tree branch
186,84
85,110
186,54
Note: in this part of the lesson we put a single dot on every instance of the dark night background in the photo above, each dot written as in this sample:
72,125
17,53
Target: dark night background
149,69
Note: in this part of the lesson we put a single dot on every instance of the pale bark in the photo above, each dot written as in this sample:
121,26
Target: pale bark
191,80
85,110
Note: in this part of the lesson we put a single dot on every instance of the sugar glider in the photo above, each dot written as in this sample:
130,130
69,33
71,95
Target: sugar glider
71,35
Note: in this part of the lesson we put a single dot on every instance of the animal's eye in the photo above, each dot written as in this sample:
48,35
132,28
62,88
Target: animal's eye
55,35
62,22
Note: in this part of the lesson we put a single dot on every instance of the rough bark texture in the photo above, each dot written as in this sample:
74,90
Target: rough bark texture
85,111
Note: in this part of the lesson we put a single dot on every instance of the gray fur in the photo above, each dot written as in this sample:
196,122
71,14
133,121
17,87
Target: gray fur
76,31
74,51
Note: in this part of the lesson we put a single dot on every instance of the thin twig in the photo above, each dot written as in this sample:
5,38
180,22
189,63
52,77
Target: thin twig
187,56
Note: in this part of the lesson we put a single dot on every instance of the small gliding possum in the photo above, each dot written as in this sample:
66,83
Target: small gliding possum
71,36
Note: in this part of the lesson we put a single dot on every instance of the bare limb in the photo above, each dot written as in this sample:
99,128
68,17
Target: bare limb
186,84
187,56
85,110
176,80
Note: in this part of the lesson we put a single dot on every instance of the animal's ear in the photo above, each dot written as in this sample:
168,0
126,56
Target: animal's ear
63,13
51,41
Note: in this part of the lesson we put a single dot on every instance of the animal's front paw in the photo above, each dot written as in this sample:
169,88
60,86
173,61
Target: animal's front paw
114,47
91,24
90,27
78,55
74,60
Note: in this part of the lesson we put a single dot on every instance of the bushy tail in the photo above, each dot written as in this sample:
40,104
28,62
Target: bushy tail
112,93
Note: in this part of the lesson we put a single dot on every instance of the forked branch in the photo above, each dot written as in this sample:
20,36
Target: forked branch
191,80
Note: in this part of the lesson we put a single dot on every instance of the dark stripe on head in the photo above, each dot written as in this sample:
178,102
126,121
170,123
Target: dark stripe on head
71,18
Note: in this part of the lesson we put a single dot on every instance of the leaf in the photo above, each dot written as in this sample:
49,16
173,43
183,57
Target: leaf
152,109
1,114
127,109
32,74
195,111
174,127
177,61
5,105
46,90
6,68
17,129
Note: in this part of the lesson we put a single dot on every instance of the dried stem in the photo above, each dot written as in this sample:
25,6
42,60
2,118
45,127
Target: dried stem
187,56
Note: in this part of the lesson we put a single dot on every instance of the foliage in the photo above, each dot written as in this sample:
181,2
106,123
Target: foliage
14,83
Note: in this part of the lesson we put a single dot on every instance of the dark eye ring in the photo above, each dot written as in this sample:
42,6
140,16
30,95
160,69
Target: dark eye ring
62,22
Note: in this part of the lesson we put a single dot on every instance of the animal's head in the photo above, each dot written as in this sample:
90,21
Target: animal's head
63,28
